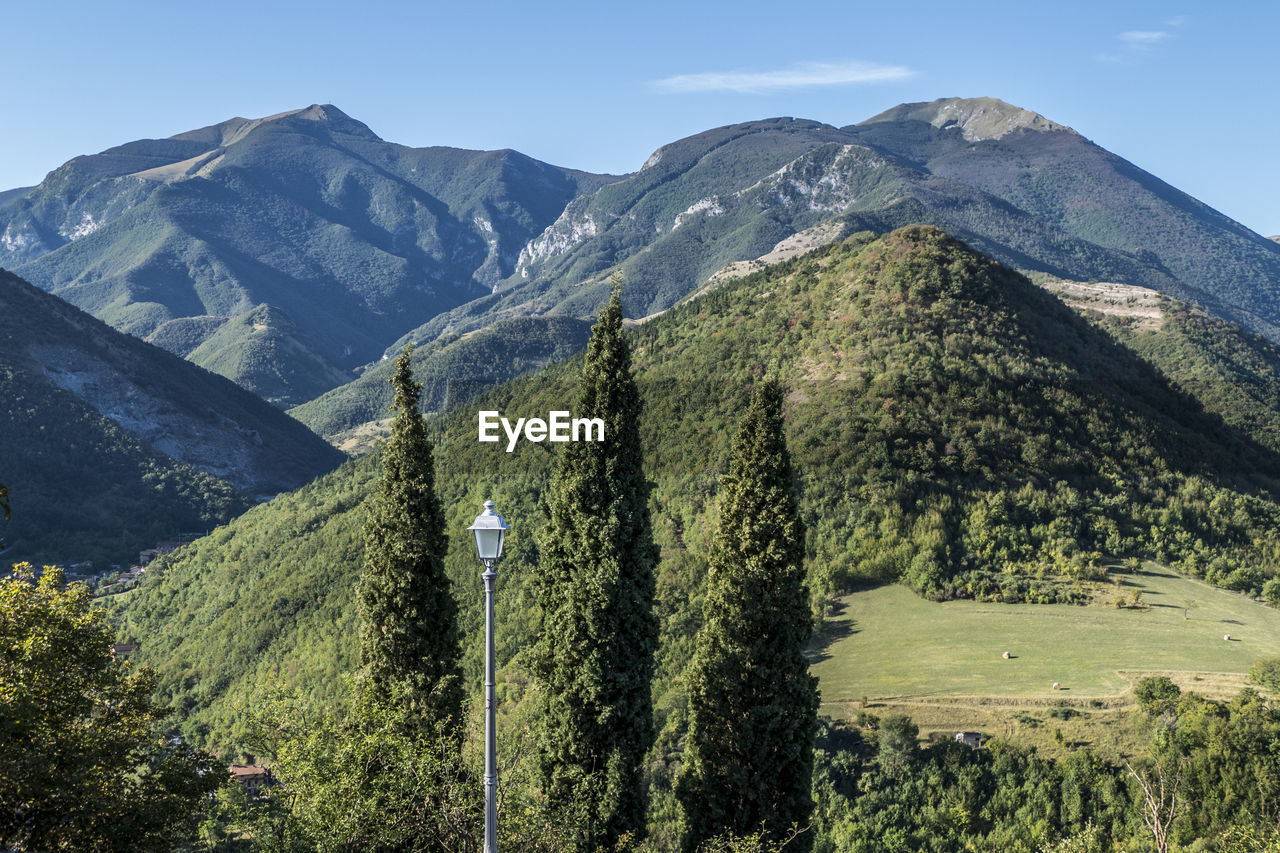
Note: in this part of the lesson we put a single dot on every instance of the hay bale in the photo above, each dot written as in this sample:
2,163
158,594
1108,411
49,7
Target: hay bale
1005,655
1226,637
1057,686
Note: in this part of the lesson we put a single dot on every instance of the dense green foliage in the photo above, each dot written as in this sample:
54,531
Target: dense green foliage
352,240
1216,761
1266,672
1156,694
961,429
949,423
878,792
267,600
357,780
82,765
1235,375
593,658
753,705
364,776
89,417
408,618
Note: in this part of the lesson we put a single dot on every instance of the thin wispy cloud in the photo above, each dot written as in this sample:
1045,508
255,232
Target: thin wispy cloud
1137,45
809,75
1142,38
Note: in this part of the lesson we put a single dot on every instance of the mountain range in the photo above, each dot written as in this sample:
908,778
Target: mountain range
281,252
292,253
1032,193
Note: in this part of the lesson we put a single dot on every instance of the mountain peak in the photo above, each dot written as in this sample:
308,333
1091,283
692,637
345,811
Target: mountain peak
234,129
977,118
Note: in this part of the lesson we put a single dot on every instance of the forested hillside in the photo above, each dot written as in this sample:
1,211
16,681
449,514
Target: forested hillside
951,424
1234,374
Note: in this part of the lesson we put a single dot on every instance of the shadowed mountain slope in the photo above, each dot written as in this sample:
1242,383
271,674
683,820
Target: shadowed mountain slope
111,444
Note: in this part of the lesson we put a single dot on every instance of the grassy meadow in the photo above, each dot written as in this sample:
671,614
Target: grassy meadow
888,649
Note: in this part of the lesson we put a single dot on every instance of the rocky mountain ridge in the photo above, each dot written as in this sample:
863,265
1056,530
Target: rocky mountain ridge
354,246
351,239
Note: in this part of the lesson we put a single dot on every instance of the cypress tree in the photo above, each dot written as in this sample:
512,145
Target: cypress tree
752,703
408,625
594,654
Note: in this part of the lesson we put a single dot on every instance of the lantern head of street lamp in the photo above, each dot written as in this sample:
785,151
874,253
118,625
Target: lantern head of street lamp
489,529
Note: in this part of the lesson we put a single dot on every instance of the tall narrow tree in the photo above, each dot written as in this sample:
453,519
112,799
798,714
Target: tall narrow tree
409,634
752,703
594,654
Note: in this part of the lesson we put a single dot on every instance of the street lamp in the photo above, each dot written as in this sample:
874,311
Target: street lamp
489,529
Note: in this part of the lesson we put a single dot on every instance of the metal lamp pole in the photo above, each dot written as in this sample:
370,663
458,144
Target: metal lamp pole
490,529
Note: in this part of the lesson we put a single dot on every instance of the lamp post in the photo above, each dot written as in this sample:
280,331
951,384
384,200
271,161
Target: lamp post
489,529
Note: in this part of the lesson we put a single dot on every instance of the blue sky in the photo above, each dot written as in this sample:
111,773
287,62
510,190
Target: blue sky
1187,93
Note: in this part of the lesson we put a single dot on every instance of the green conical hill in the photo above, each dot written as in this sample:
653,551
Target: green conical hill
951,424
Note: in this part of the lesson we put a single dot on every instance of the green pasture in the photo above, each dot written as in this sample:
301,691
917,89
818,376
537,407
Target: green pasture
890,645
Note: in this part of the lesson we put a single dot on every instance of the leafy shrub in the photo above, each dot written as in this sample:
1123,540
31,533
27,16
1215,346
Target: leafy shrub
1266,671
1156,694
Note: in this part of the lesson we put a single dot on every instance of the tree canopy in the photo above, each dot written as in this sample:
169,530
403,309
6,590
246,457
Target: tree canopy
594,654
409,633
752,704
82,765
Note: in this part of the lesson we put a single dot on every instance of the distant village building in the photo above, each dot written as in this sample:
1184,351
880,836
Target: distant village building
254,777
166,547
973,739
123,651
